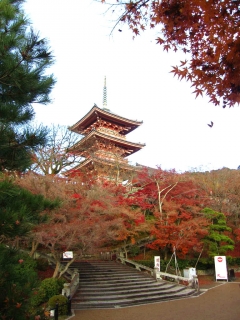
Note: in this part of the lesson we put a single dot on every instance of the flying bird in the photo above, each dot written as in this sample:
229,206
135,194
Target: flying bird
119,30
211,124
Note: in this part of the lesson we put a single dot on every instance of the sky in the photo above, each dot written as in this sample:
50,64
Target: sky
139,87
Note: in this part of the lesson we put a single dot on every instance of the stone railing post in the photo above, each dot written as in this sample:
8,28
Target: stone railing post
70,288
156,274
66,289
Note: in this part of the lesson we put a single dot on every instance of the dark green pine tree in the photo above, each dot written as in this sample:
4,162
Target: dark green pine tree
217,241
24,58
20,210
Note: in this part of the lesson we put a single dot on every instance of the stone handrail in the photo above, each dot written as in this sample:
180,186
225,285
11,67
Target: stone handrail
138,266
69,289
193,282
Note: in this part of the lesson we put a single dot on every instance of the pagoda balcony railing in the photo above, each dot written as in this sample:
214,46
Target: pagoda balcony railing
111,132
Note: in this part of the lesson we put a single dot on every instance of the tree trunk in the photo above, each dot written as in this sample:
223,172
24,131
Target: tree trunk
34,248
57,269
165,253
66,267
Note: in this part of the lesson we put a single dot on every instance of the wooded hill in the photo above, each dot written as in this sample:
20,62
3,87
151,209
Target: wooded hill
193,212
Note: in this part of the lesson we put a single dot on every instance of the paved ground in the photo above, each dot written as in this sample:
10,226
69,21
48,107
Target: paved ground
220,302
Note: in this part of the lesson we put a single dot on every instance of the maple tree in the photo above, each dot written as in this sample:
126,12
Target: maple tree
98,215
93,217
62,233
183,226
207,31
173,203
182,232
152,188
65,228
131,224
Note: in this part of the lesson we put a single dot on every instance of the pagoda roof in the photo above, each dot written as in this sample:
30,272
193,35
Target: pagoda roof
130,146
97,113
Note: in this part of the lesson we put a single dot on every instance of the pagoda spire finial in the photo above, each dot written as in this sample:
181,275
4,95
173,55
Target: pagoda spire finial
105,94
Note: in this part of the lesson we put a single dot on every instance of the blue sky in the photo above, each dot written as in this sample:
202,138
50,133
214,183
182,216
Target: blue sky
139,85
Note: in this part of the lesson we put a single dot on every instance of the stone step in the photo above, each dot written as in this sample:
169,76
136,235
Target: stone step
110,268
141,286
109,274
114,284
123,302
109,284
126,294
113,280
107,271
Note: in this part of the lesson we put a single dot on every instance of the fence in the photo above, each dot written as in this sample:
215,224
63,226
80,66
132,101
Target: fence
69,289
193,282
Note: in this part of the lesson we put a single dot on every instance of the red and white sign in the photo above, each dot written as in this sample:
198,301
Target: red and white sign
221,268
157,262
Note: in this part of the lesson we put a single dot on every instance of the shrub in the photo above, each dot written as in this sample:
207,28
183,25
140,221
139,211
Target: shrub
62,303
48,288
17,278
147,263
203,264
134,251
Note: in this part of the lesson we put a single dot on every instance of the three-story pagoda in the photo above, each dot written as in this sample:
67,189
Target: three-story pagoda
104,146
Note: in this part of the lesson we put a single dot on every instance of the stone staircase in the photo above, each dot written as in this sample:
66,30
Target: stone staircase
110,284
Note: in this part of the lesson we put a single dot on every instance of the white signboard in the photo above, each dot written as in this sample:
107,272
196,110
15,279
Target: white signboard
157,262
67,255
221,268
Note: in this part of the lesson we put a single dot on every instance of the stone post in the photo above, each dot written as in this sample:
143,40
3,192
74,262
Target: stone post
156,274
66,291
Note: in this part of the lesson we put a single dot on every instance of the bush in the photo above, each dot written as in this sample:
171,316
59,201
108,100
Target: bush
147,263
134,251
233,261
203,264
17,278
48,288
62,303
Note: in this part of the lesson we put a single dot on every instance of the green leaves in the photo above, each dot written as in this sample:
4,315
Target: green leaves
17,279
217,241
20,210
24,58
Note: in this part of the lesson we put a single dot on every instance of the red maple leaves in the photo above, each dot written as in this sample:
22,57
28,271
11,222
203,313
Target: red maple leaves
207,31
172,203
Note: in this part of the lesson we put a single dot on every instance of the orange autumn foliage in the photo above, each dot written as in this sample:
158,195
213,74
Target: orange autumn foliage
207,31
